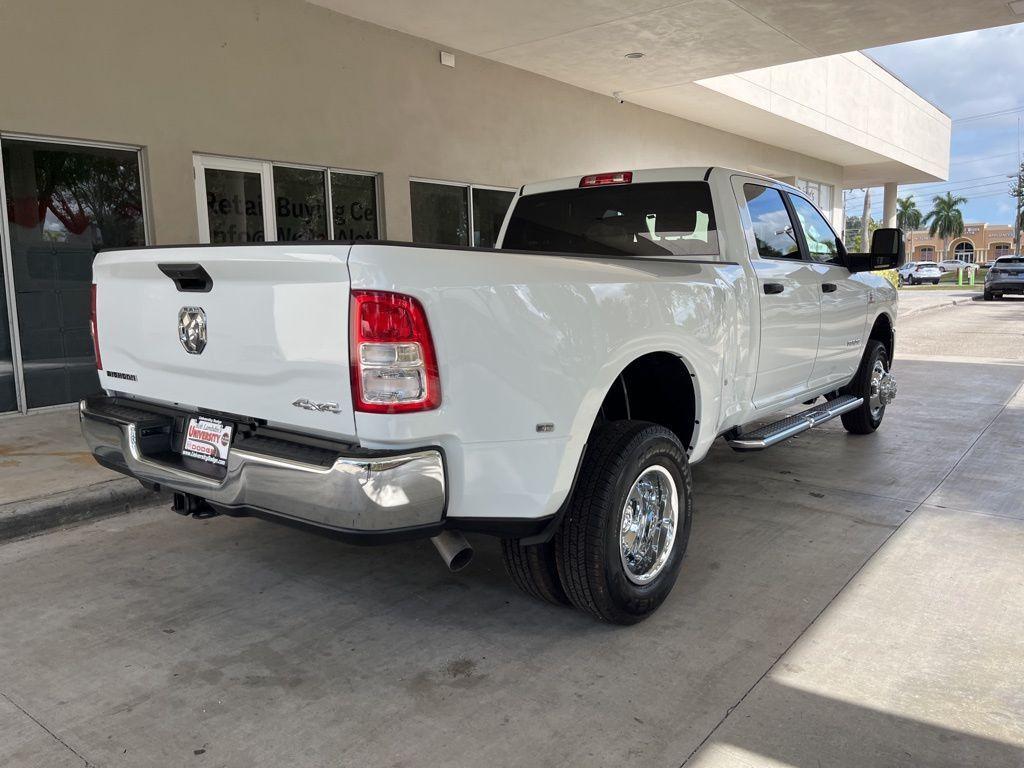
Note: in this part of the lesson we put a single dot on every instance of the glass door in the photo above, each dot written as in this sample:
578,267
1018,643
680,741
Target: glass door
64,203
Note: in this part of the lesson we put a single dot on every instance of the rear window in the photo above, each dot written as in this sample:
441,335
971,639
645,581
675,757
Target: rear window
1004,262
927,264
654,219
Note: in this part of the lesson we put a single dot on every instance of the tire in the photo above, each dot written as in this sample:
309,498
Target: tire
988,296
865,420
532,568
591,562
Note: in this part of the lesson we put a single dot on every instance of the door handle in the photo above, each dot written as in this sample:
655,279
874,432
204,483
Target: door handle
828,287
771,288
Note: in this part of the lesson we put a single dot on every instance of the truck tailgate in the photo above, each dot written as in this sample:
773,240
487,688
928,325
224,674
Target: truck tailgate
276,321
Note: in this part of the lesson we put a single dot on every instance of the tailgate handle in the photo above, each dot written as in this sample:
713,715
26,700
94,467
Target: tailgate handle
188,278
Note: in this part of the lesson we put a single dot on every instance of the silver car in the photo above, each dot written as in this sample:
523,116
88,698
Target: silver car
917,272
1006,275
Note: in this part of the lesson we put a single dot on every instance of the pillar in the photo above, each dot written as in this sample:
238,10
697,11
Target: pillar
889,205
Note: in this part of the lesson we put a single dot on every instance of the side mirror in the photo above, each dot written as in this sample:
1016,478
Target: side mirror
887,252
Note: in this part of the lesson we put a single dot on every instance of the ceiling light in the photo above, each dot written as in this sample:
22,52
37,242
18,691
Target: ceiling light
1017,7
639,55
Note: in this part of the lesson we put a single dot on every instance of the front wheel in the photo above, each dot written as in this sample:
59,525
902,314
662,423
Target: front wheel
621,543
873,383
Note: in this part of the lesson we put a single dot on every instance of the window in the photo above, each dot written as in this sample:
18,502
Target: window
653,219
64,203
823,243
241,201
445,213
773,228
817,192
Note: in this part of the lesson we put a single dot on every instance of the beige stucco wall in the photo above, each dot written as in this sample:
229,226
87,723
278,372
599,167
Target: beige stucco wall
288,81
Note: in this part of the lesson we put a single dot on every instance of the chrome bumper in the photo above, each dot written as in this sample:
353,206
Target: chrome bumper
363,492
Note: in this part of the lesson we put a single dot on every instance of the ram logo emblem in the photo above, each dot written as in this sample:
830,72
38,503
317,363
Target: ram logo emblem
192,329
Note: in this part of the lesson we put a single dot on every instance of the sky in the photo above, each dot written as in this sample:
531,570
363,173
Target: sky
965,75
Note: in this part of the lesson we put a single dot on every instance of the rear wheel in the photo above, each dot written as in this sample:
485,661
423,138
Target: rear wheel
868,384
988,296
532,568
621,543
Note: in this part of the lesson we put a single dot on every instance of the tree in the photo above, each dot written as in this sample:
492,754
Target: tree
945,219
854,226
908,218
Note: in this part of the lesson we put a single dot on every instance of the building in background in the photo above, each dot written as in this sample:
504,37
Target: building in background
980,244
132,122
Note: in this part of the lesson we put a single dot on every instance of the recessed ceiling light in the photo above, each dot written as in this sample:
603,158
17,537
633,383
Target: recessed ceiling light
639,55
1017,7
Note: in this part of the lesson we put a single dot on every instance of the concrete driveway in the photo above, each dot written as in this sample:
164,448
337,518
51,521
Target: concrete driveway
846,601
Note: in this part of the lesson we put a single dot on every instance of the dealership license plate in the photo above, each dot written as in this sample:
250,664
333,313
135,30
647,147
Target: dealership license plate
207,440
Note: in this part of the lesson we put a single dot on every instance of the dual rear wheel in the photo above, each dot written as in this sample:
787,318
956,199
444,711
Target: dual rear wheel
620,545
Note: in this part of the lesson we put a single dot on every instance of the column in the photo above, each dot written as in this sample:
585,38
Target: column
889,205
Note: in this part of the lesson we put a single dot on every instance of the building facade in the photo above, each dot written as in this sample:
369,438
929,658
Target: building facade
134,122
980,244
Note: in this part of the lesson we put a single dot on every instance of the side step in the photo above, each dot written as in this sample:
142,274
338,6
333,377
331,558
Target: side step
770,434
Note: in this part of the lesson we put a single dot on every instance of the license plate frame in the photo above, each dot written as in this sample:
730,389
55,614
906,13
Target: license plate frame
207,439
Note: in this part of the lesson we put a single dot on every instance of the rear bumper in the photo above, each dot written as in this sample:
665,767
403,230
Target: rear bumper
340,488
1004,286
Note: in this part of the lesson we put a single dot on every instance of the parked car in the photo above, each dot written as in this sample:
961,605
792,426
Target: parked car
952,265
1006,275
917,272
553,391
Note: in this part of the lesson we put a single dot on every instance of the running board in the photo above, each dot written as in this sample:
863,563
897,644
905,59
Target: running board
770,434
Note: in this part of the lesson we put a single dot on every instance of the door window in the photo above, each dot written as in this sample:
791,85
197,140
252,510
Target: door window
773,227
64,203
823,243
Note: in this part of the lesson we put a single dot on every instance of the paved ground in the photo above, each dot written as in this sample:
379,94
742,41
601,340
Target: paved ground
43,454
846,601
914,300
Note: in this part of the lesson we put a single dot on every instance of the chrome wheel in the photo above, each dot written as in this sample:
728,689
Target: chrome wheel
649,520
877,401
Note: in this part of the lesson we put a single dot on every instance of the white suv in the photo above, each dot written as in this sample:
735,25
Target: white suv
917,272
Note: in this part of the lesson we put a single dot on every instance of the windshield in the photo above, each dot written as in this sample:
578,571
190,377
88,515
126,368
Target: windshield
653,219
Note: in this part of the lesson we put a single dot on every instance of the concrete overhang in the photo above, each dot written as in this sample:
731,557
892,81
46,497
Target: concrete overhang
691,47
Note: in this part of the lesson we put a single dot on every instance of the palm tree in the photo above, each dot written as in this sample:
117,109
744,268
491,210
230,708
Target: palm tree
908,218
945,219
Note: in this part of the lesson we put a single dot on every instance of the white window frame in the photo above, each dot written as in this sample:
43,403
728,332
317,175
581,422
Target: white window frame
804,184
265,168
7,256
469,197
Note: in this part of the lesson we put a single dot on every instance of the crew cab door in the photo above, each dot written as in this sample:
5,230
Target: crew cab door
844,298
789,290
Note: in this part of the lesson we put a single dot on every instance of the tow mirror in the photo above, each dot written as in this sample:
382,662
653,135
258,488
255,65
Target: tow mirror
887,252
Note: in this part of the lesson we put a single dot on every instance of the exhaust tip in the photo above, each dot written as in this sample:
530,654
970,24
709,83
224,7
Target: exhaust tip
453,549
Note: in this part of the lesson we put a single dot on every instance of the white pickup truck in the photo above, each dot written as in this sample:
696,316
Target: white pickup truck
553,391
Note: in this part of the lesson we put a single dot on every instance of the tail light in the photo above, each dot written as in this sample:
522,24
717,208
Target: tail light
94,328
394,367
604,179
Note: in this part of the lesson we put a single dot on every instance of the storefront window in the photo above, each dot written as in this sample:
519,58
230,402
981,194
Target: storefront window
64,203
300,203
354,204
234,204
440,213
8,391
489,209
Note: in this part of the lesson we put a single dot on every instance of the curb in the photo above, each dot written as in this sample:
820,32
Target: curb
105,499
944,305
